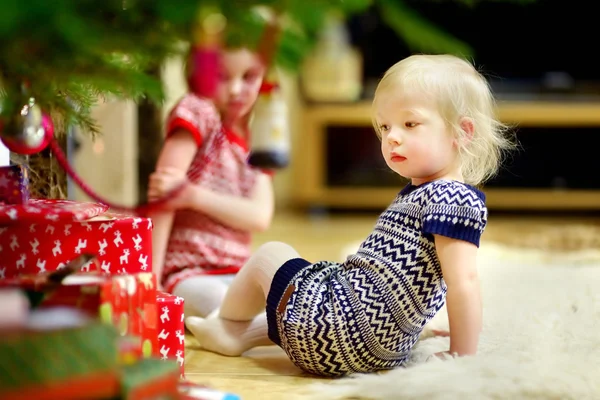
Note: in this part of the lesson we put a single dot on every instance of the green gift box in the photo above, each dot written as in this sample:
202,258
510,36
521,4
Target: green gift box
150,378
65,363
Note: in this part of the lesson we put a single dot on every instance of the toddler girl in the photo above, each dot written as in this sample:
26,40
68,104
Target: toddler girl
206,230
434,115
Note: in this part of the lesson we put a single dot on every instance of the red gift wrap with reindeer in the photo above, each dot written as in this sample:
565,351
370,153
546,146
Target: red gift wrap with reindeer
171,328
43,235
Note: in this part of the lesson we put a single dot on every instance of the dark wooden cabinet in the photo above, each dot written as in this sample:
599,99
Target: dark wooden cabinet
339,164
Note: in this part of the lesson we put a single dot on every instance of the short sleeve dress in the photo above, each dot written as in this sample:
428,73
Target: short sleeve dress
199,244
366,313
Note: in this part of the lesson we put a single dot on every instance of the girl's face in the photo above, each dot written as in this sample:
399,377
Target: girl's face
415,140
240,79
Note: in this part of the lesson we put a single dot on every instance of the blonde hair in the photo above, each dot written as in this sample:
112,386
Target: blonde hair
459,91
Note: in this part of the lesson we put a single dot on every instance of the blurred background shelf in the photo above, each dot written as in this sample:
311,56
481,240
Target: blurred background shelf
340,165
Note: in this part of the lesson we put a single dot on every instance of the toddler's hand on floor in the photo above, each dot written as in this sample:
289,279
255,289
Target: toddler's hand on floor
437,332
442,355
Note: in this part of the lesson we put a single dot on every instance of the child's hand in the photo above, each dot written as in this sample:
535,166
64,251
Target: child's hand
163,181
437,332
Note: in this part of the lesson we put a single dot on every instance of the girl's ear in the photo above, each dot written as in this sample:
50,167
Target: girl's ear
467,126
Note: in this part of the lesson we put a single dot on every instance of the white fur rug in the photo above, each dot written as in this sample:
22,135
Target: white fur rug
541,339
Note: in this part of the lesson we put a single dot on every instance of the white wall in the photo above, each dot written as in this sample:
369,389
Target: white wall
109,163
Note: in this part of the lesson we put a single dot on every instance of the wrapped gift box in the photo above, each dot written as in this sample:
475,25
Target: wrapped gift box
150,378
129,349
171,329
14,184
127,302
144,307
44,234
64,355
59,363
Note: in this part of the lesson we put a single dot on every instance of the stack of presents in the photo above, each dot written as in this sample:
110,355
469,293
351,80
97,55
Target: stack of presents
93,324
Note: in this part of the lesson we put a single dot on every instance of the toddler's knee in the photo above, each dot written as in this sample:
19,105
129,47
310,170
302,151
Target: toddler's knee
275,247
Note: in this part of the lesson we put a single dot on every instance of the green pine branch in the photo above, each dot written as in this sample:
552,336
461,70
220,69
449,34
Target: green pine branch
418,33
72,53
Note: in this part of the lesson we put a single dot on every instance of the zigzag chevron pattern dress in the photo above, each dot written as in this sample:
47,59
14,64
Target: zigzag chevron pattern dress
366,313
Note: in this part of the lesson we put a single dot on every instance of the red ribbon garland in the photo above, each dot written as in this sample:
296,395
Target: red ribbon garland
266,49
140,209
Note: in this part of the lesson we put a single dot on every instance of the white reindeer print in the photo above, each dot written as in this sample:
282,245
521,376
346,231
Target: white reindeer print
56,250
180,336
52,217
34,246
180,359
164,317
124,259
21,261
135,223
102,245
143,260
105,226
117,240
81,244
14,242
146,280
137,239
163,335
105,267
86,267
41,266
164,352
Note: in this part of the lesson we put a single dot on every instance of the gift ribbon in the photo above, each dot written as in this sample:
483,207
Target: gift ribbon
140,209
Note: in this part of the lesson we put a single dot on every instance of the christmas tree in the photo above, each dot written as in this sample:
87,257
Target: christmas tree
65,55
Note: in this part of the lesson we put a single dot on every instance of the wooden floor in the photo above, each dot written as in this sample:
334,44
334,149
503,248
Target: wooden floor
266,373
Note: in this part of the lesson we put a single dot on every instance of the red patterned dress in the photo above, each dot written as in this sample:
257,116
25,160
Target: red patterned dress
199,244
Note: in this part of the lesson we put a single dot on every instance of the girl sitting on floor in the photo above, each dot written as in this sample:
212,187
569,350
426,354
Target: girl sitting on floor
434,115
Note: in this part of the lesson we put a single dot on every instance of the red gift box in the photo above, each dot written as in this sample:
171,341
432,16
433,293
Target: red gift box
46,234
14,184
126,301
171,328
144,323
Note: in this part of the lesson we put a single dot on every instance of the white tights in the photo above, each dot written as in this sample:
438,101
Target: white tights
241,324
201,294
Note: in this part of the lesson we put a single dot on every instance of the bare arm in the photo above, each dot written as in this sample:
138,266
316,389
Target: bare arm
463,298
178,152
253,213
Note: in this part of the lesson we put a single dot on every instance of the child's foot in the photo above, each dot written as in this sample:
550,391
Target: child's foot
219,335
